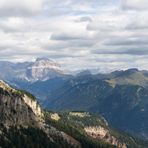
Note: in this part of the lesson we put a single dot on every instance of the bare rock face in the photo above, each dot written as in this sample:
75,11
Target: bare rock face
16,108
101,133
33,105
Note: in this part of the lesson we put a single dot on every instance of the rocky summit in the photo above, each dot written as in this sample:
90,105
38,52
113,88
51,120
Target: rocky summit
40,70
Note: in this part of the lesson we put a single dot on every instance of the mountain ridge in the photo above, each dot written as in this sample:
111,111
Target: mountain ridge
22,119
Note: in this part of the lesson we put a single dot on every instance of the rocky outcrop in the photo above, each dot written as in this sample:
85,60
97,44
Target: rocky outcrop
33,105
79,114
55,116
101,133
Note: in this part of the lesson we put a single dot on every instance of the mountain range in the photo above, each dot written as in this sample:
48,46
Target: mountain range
121,97
23,123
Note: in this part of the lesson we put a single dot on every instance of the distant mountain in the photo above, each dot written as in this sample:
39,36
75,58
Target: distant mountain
130,77
83,73
40,70
23,123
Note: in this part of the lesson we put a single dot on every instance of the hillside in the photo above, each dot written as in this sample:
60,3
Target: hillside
23,123
98,96
89,128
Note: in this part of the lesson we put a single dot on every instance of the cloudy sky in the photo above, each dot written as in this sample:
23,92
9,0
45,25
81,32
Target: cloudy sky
79,34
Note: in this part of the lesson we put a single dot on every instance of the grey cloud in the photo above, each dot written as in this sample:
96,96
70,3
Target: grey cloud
136,26
127,41
132,4
20,8
16,12
120,51
84,19
64,37
70,36
71,40
82,43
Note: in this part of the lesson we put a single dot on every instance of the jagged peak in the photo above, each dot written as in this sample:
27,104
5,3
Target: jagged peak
45,62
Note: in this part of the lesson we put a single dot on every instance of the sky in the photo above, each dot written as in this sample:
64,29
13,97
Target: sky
79,34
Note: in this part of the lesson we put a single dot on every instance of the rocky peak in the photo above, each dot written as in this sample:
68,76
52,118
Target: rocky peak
40,70
43,69
43,59
41,63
